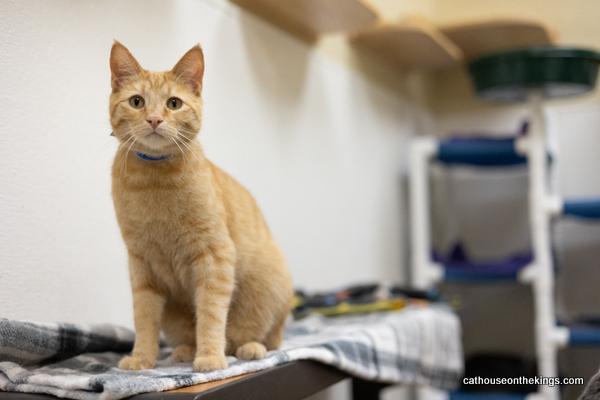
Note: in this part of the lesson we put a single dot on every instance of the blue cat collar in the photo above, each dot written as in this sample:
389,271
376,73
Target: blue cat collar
147,157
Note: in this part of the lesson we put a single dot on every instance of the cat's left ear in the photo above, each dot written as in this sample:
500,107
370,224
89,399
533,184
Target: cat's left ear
123,66
190,68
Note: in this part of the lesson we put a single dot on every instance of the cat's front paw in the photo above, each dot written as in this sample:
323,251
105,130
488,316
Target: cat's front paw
210,363
136,363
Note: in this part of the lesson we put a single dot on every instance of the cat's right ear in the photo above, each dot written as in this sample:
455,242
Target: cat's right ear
190,68
123,66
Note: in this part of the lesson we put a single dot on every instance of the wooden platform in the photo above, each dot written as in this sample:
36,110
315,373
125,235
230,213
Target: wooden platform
411,43
310,18
476,39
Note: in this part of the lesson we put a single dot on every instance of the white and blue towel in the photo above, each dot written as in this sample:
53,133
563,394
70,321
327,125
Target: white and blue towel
418,345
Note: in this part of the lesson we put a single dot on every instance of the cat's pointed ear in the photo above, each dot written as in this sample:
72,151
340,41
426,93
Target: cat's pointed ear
123,66
190,68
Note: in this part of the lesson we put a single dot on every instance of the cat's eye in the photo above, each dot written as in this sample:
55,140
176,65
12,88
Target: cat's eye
136,101
174,103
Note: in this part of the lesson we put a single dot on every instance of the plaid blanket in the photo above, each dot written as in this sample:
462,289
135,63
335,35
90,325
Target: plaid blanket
419,345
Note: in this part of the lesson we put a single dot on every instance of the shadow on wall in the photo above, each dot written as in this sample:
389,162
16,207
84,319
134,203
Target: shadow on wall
409,85
379,70
280,62
281,73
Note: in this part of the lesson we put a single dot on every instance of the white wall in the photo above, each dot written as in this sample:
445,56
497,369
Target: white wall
320,146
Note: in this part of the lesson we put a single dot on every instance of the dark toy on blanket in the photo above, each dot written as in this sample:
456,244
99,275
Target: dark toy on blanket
359,299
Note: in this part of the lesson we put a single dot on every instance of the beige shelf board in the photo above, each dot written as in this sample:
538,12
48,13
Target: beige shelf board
479,38
310,18
413,43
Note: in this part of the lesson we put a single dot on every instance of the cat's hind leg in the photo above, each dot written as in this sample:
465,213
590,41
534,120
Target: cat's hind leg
183,353
259,308
275,335
178,327
251,351
247,327
273,339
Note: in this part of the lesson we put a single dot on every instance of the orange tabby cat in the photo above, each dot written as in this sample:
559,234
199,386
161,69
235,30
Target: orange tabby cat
202,262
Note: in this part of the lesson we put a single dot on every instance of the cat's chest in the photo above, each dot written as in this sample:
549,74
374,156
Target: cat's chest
163,222
167,228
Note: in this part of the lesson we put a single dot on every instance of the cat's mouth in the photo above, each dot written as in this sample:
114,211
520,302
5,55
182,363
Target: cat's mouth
154,140
154,135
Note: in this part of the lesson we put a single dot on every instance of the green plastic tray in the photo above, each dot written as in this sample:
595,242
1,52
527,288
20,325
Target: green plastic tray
555,71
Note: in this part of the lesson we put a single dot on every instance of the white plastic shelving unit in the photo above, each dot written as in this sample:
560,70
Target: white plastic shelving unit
544,205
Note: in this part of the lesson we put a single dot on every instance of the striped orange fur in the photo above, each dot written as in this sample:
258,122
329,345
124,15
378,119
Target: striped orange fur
204,267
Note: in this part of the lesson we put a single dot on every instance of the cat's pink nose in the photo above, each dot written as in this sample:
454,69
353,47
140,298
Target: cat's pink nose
154,122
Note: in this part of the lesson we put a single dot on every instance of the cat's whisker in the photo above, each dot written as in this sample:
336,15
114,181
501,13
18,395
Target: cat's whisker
175,135
179,147
172,132
183,136
182,133
125,142
127,152
130,134
110,141
135,130
187,130
179,136
123,145
183,143
129,140
190,149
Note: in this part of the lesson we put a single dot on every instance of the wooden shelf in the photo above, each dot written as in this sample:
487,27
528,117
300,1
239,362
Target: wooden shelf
310,18
478,38
412,43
